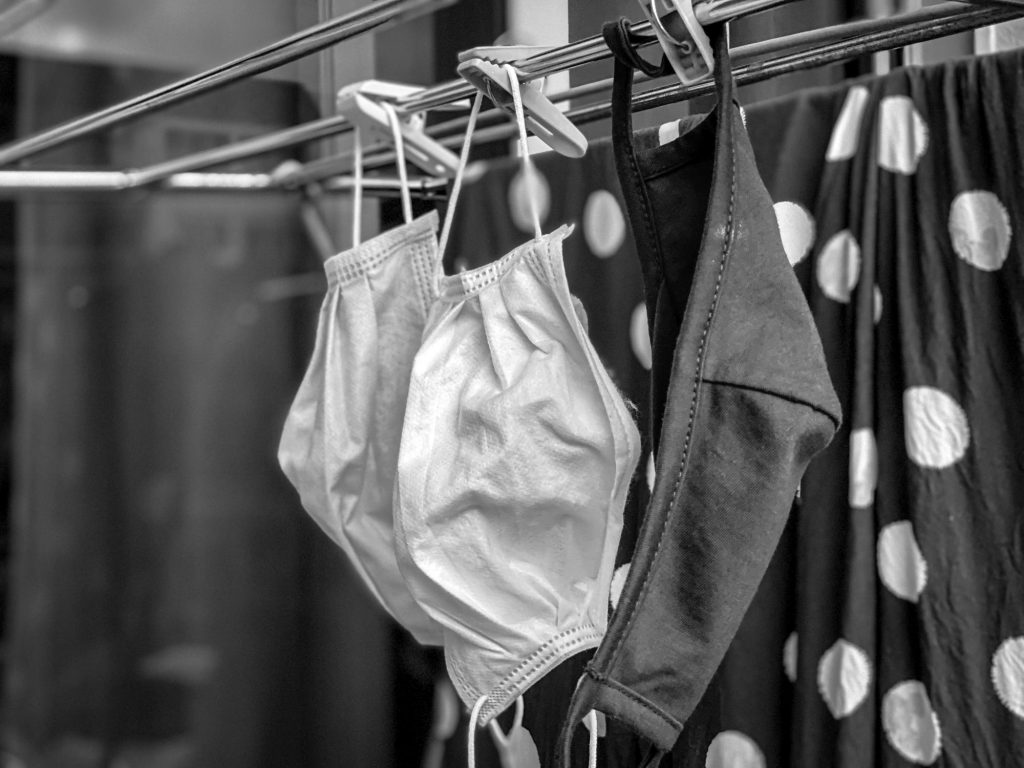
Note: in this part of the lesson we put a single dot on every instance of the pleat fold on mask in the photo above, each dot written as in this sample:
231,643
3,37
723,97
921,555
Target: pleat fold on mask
340,442
516,457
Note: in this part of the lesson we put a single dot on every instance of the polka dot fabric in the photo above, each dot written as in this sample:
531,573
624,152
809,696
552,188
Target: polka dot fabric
889,629
908,595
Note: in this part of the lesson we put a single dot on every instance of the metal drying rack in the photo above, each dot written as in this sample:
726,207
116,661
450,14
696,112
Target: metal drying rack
752,63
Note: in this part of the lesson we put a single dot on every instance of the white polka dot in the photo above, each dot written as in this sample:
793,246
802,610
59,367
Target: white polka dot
979,227
789,656
732,749
902,135
901,566
668,132
520,190
846,133
935,428
910,723
796,226
877,304
863,468
839,266
604,226
618,582
639,338
652,472
844,678
1008,674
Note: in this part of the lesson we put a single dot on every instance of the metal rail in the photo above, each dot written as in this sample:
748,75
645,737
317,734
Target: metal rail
586,51
753,63
16,183
316,38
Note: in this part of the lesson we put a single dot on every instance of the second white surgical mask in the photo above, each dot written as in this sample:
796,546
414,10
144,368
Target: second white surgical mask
517,453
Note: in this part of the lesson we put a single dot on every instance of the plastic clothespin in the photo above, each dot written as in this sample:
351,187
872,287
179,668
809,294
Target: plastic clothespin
483,68
682,37
360,104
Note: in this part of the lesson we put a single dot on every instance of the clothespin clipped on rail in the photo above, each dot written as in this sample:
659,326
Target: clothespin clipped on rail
483,68
682,37
360,104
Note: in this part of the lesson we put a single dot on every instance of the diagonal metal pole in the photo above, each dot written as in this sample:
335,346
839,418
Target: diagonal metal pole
316,38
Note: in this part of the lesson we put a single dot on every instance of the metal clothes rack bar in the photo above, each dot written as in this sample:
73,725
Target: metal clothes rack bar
586,51
27,182
561,58
755,62
316,38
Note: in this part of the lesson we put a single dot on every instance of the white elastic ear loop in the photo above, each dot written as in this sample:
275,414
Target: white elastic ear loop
592,727
457,184
357,187
524,147
396,132
474,716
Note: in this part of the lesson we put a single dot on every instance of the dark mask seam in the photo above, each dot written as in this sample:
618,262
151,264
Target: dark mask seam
635,697
636,177
773,393
701,352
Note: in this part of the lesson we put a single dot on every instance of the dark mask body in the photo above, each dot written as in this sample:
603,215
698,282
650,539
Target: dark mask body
741,401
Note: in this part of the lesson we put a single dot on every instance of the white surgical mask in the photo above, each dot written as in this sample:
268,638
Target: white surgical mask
340,442
516,458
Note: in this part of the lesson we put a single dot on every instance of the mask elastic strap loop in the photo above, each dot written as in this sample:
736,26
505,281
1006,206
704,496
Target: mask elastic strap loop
524,147
457,184
357,187
592,726
474,716
396,132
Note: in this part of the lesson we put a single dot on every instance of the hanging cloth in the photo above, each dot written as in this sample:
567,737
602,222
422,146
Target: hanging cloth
748,404
899,202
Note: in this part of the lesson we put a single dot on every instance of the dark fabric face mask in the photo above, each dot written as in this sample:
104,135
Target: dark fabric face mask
741,402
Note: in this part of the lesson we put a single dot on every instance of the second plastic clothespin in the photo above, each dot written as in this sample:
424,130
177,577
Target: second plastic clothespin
682,37
483,68
360,104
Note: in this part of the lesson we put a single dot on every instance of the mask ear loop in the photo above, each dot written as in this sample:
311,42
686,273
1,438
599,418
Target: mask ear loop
474,716
357,187
396,132
524,147
453,198
591,719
